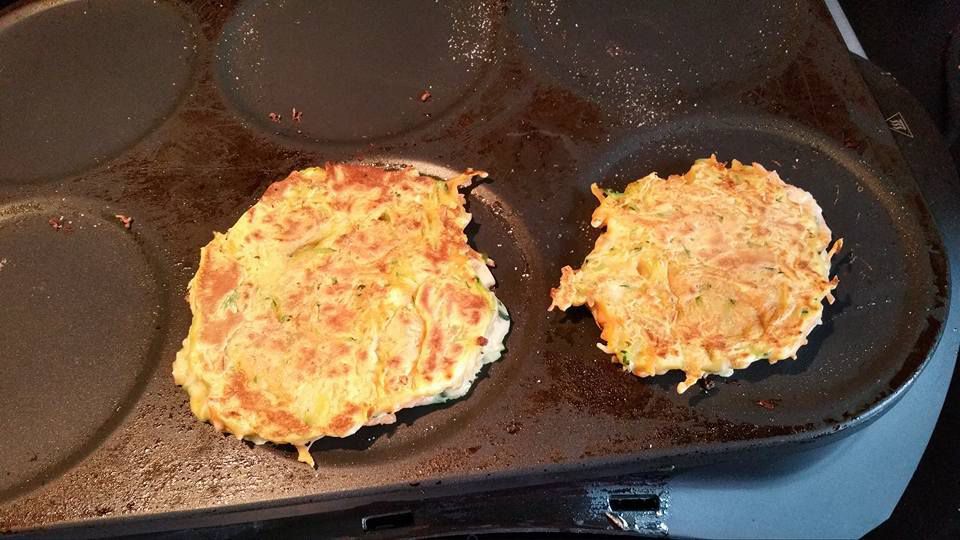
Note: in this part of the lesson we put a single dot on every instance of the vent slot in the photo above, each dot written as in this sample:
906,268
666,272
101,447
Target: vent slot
393,520
634,503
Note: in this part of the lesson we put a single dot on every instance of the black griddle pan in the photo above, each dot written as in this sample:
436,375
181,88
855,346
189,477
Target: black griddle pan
161,112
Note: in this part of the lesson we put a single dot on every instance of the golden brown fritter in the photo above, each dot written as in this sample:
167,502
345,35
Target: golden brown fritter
345,294
705,272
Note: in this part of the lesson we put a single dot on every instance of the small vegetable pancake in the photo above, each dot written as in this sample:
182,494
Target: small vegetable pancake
705,272
345,294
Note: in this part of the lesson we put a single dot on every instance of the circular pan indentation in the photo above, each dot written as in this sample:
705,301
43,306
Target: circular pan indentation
885,272
84,80
80,327
352,70
636,56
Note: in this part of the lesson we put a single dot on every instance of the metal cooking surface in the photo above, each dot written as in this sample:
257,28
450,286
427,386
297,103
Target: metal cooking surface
363,85
548,97
77,89
66,337
629,59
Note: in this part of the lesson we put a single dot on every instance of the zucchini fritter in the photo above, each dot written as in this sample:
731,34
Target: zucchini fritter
345,294
705,272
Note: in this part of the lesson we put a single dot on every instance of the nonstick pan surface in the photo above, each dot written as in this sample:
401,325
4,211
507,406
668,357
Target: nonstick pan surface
161,112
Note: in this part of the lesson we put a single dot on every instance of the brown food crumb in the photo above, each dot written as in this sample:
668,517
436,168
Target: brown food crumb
617,521
481,341
707,384
425,96
56,223
296,115
127,221
768,404
275,118
614,50
513,428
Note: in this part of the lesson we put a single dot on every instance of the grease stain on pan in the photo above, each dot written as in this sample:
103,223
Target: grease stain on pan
353,71
83,304
80,84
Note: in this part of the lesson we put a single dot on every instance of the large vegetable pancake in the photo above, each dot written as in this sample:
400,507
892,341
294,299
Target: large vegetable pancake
345,294
705,272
